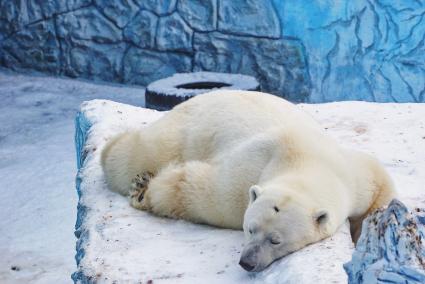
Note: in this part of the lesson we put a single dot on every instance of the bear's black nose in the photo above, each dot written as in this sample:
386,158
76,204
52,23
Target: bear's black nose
246,266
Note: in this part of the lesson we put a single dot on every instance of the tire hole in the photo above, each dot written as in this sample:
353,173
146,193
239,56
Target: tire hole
202,85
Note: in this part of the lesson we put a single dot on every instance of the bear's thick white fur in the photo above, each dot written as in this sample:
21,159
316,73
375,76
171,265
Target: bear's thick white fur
206,154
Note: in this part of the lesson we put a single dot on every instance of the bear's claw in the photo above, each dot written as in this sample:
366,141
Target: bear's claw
141,180
139,186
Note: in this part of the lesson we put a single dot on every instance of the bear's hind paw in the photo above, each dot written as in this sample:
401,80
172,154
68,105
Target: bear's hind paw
141,181
139,186
137,198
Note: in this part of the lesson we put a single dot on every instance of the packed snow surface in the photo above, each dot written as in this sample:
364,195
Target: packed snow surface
37,173
38,198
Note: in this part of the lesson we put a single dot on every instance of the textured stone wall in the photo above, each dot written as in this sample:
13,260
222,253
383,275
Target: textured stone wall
371,50
299,49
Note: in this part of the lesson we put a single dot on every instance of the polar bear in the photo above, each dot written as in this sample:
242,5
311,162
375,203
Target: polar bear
239,159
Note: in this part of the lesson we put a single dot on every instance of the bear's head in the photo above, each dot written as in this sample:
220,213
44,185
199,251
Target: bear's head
278,222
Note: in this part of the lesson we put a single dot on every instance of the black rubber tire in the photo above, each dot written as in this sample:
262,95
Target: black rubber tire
166,93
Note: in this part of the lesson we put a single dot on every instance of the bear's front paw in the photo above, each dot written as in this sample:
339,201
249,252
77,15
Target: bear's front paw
139,187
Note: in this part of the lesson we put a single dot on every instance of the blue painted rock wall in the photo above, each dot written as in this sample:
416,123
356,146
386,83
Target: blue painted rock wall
82,127
299,49
390,248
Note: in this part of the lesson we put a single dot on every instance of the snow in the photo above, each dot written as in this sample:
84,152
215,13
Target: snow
168,85
38,198
37,173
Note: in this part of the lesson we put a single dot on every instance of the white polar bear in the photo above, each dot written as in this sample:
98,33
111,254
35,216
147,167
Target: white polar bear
250,160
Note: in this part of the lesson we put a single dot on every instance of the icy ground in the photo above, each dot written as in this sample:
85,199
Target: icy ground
37,173
37,165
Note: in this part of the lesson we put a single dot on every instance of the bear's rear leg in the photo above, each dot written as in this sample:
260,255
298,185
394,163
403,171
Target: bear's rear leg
177,191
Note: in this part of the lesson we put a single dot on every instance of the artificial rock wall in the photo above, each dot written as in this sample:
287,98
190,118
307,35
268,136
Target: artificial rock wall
299,49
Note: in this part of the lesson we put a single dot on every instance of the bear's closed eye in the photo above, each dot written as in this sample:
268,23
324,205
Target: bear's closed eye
322,218
276,209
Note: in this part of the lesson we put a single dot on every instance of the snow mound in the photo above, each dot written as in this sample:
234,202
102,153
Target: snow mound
117,243
391,248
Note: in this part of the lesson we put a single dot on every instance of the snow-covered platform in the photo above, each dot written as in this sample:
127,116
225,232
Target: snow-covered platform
119,243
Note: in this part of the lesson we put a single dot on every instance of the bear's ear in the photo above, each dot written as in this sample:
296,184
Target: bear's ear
321,217
254,192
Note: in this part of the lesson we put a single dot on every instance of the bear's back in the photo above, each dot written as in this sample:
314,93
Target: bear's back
216,121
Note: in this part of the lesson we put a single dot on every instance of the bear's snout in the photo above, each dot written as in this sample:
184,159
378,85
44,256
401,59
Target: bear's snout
245,265
249,259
